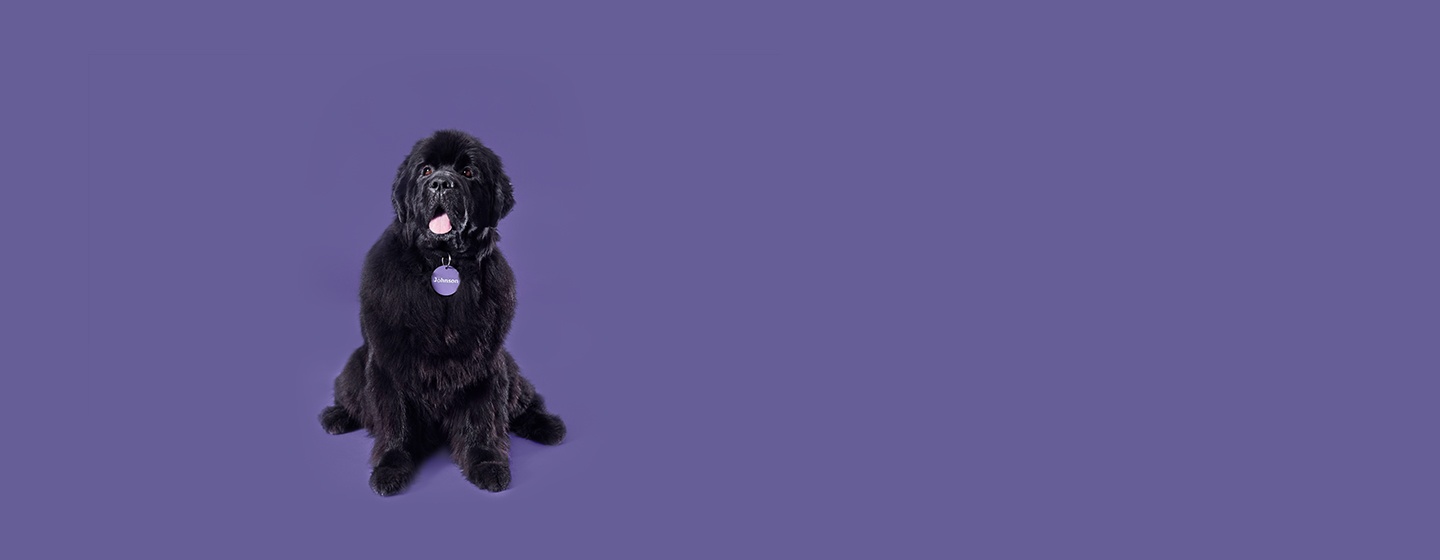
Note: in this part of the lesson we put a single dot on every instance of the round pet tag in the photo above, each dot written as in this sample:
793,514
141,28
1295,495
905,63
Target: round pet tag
446,280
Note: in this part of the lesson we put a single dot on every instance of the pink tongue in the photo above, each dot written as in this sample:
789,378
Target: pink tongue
440,225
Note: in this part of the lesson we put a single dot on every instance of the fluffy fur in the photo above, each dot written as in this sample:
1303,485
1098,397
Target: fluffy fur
433,369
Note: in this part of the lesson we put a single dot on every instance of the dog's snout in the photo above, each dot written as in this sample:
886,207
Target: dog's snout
443,180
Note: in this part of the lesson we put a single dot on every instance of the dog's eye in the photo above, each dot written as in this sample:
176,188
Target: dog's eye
427,170
469,172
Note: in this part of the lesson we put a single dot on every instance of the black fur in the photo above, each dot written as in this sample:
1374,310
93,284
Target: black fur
433,369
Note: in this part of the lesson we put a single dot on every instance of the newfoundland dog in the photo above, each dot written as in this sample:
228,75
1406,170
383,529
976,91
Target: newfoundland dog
436,300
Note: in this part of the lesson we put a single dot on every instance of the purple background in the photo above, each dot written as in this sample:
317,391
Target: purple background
1119,281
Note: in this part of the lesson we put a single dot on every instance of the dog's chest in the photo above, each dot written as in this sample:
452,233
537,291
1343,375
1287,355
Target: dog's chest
409,323
447,347
454,323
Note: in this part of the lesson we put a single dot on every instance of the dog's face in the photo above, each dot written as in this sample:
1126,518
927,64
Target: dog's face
449,190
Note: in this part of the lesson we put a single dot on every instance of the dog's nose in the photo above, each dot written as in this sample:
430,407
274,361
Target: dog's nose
443,180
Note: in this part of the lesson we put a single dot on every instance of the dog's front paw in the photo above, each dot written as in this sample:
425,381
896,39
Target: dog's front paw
390,480
391,475
337,420
493,476
541,428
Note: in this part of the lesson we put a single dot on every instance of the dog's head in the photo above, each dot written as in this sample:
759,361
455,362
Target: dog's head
451,192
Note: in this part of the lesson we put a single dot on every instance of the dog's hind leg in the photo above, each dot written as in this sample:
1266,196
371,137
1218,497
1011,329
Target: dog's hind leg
528,418
340,418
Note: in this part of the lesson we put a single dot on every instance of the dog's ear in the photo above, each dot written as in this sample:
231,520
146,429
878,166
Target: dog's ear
504,190
507,194
399,197
397,200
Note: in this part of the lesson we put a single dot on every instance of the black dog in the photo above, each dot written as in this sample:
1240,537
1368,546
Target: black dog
433,368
